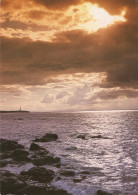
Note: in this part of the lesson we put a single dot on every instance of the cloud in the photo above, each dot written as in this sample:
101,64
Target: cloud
112,50
60,4
116,93
48,99
45,41
62,94
113,6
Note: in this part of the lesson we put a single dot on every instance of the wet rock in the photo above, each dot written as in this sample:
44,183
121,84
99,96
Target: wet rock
71,148
55,191
6,155
100,192
32,190
48,137
35,147
20,155
99,137
85,172
96,136
46,160
58,165
81,136
67,173
37,190
77,179
10,183
20,119
9,145
39,174
3,163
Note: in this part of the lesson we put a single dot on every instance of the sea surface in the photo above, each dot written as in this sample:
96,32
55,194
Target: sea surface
109,160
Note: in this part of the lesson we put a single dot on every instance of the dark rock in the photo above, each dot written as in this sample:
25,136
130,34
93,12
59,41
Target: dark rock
99,137
96,136
45,160
32,190
3,163
55,191
67,173
20,119
35,147
20,155
9,145
85,172
58,165
71,148
10,183
36,190
77,179
5,173
39,174
100,192
81,136
40,154
6,155
48,137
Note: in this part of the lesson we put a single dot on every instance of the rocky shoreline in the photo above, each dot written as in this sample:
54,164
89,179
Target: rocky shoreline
36,180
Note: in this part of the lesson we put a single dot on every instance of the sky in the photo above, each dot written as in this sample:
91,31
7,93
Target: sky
69,55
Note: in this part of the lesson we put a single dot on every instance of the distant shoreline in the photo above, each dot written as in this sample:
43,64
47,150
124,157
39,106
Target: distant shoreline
10,111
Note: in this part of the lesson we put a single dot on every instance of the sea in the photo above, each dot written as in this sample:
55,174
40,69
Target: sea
107,154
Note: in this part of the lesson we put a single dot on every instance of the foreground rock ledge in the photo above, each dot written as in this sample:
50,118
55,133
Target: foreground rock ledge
15,185
39,174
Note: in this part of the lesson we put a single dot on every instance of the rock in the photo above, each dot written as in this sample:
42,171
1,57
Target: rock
99,137
48,137
10,183
81,136
85,172
37,190
20,119
77,179
67,173
96,136
20,155
58,165
100,192
45,160
3,163
6,155
71,148
55,191
32,190
35,147
39,174
9,145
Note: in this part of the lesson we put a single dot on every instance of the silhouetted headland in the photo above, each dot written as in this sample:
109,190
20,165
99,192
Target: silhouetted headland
14,111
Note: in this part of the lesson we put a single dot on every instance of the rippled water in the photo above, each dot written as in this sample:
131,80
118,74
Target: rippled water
111,160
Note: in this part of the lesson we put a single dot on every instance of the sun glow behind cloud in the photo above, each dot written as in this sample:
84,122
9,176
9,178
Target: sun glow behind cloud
86,16
100,18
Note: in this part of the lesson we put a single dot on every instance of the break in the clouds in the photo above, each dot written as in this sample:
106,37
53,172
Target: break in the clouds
51,50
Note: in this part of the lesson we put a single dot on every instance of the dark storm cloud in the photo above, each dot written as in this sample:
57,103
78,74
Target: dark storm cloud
112,50
60,4
112,6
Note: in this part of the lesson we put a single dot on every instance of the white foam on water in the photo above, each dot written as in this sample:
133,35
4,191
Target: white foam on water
16,169
74,189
